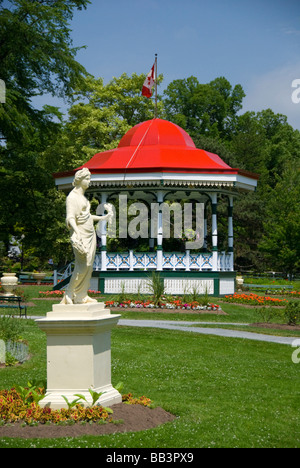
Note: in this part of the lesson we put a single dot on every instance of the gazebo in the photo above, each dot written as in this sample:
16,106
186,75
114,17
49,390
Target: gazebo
157,163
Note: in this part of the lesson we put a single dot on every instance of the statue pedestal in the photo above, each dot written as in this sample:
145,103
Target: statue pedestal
78,354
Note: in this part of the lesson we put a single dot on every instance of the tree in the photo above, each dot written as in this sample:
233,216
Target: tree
124,94
36,57
99,118
24,182
206,109
281,240
263,142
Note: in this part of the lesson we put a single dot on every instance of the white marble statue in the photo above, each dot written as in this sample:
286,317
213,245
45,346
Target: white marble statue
80,222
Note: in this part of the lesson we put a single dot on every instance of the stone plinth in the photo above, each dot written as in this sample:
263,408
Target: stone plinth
79,353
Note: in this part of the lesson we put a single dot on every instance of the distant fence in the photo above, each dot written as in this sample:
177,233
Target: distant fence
270,275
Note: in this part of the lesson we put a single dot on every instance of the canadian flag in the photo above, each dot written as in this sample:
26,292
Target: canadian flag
149,83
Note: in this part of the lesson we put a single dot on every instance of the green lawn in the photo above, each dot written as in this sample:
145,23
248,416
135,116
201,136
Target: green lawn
224,392
271,281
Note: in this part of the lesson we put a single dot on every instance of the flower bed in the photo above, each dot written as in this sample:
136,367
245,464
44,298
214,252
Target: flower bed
131,400
174,304
281,291
254,299
292,293
59,294
14,407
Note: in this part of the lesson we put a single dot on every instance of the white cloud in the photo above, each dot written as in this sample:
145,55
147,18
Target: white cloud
291,31
275,90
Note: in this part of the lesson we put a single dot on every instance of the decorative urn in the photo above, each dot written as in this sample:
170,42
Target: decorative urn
9,282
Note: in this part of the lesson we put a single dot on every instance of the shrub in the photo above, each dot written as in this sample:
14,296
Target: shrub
10,328
156,286
266,313
292,312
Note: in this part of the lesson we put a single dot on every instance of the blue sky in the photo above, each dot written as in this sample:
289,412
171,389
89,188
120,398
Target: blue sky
252,42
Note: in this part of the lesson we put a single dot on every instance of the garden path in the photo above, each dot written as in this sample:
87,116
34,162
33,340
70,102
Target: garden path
195,327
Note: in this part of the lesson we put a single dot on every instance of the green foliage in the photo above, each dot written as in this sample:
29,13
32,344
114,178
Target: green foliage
292,312
119,387
99,117
36,46
10,360
211,392
122,296
11,328
95,396
31,394
281,239
18,349
267,313
72,403
207,109
157,288
264,143
21,404
37,56
129,399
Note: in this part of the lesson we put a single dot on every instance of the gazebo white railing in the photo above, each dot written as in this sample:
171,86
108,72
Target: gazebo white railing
163,261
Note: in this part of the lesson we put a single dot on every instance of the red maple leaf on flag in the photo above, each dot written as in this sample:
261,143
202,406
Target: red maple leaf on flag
149,83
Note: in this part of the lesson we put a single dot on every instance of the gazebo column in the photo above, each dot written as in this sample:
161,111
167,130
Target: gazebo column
151,244
205,229
214,205
103,235
159,253
230,231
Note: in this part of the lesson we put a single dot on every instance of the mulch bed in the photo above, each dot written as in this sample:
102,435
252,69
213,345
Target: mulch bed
129,418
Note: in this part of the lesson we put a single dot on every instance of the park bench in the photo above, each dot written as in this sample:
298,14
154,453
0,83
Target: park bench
13,302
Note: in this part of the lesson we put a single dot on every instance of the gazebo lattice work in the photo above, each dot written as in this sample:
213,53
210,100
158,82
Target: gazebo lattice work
157,163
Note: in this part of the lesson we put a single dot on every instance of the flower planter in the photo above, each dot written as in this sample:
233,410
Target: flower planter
38,277
239,282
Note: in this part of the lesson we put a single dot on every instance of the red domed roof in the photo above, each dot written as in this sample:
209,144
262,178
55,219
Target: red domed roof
156,132
156,146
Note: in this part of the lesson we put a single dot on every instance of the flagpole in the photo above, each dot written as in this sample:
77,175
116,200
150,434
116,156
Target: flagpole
155,86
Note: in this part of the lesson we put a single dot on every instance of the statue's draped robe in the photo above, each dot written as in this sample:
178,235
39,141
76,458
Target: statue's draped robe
78,208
